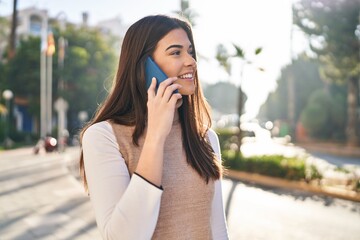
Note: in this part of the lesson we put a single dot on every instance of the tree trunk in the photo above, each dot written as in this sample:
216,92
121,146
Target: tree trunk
352,131
240,110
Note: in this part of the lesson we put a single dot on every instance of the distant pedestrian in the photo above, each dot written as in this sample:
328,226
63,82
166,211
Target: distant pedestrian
150,161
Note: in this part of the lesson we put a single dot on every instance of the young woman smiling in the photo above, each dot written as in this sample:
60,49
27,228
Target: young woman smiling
150,161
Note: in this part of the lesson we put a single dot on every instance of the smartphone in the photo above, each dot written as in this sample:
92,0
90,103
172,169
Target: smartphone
153,70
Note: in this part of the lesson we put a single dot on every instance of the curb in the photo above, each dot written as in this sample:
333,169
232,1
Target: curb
281,183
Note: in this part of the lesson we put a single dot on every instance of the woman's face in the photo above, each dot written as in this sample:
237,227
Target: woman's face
174,55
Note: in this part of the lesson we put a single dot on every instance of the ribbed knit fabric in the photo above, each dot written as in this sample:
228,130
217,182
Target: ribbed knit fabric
186,201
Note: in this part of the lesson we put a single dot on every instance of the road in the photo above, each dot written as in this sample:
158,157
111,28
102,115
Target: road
39,199
340,161
257,212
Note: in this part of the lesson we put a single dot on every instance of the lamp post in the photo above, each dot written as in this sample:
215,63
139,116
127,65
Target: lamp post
61,106
7,95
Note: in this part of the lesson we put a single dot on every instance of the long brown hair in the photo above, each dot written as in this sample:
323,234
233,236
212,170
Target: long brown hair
126,102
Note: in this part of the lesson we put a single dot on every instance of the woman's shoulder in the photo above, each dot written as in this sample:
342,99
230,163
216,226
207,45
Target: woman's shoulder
212,135
98,130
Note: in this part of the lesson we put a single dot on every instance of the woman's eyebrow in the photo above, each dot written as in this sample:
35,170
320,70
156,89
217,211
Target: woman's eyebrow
176,46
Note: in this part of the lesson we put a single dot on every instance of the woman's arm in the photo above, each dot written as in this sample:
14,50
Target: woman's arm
218,221
124,208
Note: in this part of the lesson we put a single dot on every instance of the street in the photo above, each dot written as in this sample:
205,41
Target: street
40,199
264,213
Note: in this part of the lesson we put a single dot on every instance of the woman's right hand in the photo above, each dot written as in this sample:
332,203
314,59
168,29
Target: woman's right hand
161,107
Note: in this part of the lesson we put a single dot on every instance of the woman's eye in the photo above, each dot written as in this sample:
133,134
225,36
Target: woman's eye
176,53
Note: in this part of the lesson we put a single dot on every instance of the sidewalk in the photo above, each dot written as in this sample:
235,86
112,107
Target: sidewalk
39,199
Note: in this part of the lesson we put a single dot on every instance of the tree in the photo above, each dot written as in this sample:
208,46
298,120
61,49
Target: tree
89,65
333,31
324,114
23,73
89,62
319,105
187,12
4,34
223,58
305,74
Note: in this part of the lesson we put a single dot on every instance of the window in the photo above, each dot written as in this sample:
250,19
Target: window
35,25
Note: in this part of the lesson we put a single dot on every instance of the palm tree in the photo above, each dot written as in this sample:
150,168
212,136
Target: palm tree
186,12
224,59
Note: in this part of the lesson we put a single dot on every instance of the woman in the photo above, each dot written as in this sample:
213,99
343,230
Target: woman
149,159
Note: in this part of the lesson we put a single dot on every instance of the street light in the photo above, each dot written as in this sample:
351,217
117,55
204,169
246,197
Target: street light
7,95
83,116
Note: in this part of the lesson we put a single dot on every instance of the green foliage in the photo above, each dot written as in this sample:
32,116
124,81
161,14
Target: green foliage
305,74
315,115
270,165
188,13
222,56
258,51
331,27
23,73
89,62
4,35
324,115
227,137
88,65
333,31
239,51
2,77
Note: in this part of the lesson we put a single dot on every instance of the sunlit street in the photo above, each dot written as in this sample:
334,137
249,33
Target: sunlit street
121,94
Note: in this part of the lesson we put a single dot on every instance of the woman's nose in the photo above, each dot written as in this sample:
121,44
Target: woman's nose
190,61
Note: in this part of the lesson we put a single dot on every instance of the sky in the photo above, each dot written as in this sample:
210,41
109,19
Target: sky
249,24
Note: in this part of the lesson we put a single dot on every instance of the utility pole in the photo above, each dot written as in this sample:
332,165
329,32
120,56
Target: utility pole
12,40
49,53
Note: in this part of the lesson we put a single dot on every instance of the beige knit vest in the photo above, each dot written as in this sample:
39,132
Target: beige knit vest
186,200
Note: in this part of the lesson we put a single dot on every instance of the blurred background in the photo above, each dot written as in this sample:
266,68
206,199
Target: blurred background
282,78
294,63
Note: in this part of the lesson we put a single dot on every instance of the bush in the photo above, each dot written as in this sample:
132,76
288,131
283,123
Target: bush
270,165
227,137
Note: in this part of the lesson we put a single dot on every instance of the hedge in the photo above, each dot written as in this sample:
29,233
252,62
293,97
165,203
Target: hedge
291,168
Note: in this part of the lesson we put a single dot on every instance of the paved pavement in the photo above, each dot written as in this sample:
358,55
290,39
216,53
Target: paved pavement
39,199
267,213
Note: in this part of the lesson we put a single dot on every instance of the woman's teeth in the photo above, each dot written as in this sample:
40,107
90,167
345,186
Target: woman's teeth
188,75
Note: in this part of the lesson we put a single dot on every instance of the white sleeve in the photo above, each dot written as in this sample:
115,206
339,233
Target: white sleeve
124,208
218,221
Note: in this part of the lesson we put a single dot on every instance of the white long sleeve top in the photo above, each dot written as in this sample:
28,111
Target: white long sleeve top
128,208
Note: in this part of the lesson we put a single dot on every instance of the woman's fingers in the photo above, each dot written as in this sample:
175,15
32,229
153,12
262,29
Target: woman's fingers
151,90
174,98
164,85
170,90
